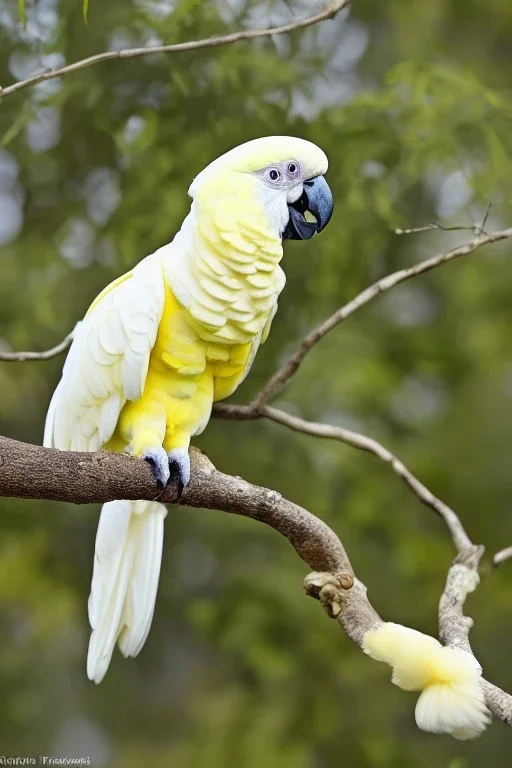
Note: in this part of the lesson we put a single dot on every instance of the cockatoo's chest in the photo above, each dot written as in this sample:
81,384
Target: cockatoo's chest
225,272
184,345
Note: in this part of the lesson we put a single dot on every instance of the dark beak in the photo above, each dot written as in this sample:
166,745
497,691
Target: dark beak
312,211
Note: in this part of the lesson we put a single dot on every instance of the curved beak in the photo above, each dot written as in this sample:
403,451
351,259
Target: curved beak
312,211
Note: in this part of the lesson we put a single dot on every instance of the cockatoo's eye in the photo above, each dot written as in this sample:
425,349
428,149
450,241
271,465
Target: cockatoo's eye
272,174
293,169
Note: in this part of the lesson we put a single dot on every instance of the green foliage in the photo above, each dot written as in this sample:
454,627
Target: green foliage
412,103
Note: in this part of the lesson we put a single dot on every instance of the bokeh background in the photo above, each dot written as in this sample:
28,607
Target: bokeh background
412,103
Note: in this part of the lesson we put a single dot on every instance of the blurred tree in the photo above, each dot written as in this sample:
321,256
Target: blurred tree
411,102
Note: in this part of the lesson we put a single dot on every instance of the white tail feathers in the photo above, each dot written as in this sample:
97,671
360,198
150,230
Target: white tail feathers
125,578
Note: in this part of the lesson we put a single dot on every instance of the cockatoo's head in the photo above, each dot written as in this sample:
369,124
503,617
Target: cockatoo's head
282,175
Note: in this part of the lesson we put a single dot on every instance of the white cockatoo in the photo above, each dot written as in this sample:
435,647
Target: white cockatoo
165,341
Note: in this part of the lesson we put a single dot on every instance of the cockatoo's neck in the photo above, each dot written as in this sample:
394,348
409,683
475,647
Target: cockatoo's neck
223,266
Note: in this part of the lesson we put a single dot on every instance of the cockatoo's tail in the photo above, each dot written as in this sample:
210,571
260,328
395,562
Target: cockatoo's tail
452,699
163,342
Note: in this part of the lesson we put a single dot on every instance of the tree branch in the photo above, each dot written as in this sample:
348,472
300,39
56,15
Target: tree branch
21,357
329,12
502,555
462,579
30,471
454,626
290,367
357,440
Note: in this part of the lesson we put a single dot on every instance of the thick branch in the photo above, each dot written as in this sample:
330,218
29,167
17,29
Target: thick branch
290,367
30,471
329,12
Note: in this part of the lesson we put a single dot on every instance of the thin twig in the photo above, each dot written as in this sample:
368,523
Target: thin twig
329,12
460,538
502,555
289,368
475,228
486,216
435,227
21,357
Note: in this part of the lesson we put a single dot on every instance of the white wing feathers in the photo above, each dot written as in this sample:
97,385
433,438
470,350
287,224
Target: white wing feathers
108,360
106,366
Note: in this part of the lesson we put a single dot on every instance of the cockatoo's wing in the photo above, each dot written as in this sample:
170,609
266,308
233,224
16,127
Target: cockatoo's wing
108,360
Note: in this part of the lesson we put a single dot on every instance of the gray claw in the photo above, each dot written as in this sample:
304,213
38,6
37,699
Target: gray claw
179,466
157,457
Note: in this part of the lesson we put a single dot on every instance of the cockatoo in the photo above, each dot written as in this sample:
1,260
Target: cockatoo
165,341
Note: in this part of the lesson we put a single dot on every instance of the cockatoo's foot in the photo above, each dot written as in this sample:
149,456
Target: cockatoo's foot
179,466
328,588
159,462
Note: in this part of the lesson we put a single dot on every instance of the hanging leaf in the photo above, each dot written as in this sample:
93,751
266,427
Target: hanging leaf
21,11
23,116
